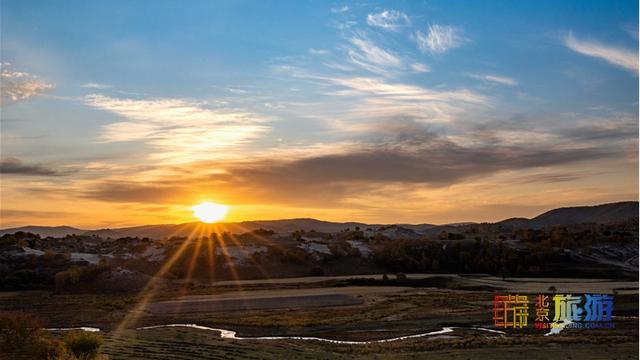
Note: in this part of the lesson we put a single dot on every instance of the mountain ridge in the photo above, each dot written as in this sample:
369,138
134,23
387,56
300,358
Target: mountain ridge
602,213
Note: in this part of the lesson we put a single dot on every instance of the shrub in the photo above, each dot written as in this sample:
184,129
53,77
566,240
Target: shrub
77,275
17,330
401,277
51,349
84,345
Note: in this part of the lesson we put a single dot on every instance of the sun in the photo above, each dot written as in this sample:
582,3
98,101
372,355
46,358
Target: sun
209,212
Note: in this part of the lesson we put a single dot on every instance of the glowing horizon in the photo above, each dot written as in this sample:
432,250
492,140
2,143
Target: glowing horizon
209,212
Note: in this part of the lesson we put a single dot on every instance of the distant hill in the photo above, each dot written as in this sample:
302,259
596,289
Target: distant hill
605,213
278,226
303,224
53,231
599,214
197,228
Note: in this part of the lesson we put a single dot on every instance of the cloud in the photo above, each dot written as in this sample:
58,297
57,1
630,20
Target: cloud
371,57
397,156
14,213
400,91
18,85
550,178
313,51
179,130
411,154
632,31
131,191
15,166
420,68
502,80
362,100
343,25
439,39
624,58
391,20
607,131
237,91
95,86
376,98
339,9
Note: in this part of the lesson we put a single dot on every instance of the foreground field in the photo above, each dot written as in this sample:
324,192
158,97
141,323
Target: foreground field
335,309
193,344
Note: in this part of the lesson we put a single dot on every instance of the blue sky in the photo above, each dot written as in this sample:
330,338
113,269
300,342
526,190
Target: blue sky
291,109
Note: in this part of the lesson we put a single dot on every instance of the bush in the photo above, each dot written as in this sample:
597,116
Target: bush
84,345
51,349
65,278
21,336
401,277
18,330
77,275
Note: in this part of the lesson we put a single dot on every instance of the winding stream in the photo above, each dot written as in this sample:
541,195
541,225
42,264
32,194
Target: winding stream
230,334
81,328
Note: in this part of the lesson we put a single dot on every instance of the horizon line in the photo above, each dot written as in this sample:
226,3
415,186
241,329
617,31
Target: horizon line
310,218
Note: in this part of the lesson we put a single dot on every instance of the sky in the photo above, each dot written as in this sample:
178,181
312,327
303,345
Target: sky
119,113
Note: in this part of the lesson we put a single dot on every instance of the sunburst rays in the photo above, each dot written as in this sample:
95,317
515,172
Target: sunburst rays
209,238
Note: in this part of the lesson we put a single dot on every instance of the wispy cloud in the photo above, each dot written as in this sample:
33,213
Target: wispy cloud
367,85
371,57
420,68
498,79
237,90
343,25
15,166
313,51
391,20
339,9
621,57
18,85
632,31
179,130
439,38
375,98
95,86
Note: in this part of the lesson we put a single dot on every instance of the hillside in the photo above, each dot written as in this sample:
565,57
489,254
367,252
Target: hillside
44,231
602,214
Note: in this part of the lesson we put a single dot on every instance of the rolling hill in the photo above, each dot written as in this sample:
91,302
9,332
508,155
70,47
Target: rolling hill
605,213
599,214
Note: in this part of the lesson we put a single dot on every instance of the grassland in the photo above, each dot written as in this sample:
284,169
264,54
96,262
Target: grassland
379,312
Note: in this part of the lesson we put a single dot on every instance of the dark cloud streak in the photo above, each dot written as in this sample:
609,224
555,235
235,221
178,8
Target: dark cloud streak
401,153
15,166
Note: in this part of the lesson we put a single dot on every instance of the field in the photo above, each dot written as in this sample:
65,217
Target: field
341,308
